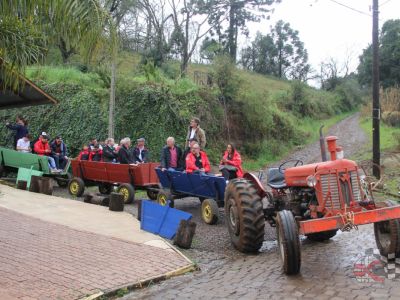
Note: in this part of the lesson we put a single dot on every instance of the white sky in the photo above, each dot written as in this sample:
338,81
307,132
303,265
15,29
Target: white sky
328,29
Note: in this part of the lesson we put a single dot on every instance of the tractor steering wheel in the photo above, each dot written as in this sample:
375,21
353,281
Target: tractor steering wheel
296,162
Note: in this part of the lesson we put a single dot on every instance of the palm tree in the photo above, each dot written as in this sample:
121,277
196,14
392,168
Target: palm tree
27,26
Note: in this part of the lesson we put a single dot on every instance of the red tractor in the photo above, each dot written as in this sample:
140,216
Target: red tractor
314,200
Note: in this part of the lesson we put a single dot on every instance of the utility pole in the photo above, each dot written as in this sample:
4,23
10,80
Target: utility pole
111,106
376,112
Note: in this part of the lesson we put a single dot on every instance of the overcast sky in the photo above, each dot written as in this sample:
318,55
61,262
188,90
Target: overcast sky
329,29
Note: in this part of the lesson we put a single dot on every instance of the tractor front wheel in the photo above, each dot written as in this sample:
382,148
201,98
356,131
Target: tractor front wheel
387,234
288,242
322,236
76,186
209,211
128,191
244,214
163,197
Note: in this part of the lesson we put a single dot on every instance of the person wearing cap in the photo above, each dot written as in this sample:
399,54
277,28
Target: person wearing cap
43,133
110,154
59,152
195,132
140,152
42,148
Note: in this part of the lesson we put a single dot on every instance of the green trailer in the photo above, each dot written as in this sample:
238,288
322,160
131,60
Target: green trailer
11,161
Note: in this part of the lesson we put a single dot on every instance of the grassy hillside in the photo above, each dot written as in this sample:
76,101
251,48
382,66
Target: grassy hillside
265,117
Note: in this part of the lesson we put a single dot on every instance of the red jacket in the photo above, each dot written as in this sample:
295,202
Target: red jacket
84,155
191,162
41,148
96,155
236,162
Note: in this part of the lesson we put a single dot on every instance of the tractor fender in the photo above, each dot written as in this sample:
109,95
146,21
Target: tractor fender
256,183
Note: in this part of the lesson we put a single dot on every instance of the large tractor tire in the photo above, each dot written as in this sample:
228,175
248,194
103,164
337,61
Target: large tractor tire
387,234
105,188
128,191
244,215
321,236
163,197
76,186
209,211
288,242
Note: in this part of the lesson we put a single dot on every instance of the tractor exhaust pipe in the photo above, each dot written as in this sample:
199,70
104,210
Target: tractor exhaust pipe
322,144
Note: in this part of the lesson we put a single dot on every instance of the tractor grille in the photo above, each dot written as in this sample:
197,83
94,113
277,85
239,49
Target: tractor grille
329,183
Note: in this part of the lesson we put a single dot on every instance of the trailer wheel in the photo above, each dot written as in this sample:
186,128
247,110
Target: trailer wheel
128,191
288,242
387,234
63,181
2,169
163,197
152,194
209,211
105,188
76,186
244,214
321,236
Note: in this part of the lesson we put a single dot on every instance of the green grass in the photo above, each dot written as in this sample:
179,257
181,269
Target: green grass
389,136
308,126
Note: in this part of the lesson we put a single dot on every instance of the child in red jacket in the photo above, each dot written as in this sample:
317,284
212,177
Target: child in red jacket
84,154
96,153
197,161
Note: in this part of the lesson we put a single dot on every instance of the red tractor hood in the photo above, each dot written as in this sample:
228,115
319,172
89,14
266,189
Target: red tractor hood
297,176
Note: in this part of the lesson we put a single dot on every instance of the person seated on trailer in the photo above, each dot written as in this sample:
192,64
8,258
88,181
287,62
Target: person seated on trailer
192,141
33,142
109,152
20,127
96,153
93,142
42,148
125,155
231,163
59,152
197,161
171,156
24,144
85,153
140,152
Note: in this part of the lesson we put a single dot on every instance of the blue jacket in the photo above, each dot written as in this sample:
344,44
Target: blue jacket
53,148
20,131
145,155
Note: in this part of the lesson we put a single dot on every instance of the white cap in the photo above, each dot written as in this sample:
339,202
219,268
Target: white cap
44,133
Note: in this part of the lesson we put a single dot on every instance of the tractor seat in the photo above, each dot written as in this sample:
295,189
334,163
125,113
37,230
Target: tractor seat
276,179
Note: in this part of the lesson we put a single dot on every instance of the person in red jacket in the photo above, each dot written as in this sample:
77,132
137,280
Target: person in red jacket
42,148
197,161
231,163
96,153
85,153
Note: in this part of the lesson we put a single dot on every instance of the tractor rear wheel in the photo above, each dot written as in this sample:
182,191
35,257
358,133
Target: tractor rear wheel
163,197
128,191
244,214
387,234
322,236
105,188
288,242
209,211
76,186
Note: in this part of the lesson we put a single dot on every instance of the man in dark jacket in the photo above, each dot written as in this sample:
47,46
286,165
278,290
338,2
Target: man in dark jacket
109,152
125,153
171,156
20,128
140,152
59,152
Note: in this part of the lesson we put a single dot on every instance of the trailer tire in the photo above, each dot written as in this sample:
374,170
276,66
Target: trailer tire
105,188
209,211
244,215
163,197
128,191
321,236
76,186
288,242
152,194
387,234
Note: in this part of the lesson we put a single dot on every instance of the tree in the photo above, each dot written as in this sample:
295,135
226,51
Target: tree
236,13
24,24
280,53
389,57
209,49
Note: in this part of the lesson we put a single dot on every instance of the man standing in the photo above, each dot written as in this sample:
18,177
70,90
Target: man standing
42,148
171,156
59,152
195,132
140,152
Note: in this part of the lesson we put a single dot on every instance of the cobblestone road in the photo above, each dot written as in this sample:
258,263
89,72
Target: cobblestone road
42,260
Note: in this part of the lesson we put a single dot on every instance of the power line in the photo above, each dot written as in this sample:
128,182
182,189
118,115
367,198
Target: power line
352,8
384,3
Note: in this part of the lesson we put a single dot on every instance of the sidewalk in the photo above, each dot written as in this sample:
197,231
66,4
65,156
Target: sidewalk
55,248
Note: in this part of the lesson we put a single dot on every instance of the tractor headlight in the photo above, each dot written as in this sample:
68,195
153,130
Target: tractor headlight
311,181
